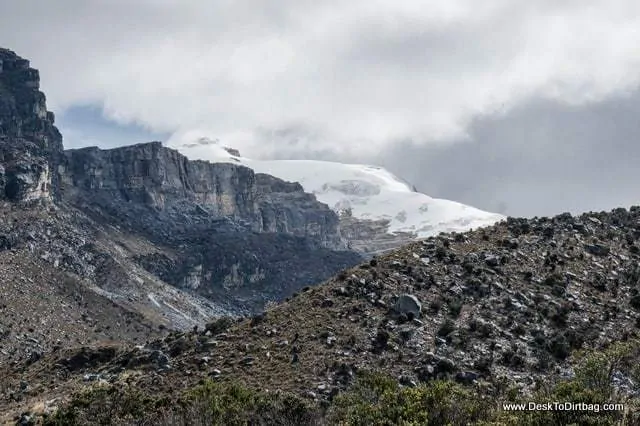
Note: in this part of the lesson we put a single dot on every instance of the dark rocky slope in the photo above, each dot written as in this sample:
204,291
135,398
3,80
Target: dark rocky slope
510,301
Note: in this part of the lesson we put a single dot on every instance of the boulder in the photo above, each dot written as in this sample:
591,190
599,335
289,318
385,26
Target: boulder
408,304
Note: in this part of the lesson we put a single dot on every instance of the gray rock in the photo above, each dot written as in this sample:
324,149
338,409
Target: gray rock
248,360
408,304
26,419
597,249
160,358
91,377
492,261
466,377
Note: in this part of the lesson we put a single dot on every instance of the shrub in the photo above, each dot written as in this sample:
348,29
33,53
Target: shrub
208,404
219,325
378,400
446,328
375,399
455,306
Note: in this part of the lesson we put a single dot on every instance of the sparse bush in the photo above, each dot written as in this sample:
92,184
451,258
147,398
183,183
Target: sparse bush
519,330
219,325
435,305
446,328
376,399
559,347
455,306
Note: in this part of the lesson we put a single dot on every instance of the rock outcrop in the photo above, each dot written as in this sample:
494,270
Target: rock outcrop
30,144
240,236
371,237
161,191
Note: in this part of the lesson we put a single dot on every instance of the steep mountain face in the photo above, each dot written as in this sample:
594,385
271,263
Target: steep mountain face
378,211
177,192
148,228
30,145
233,234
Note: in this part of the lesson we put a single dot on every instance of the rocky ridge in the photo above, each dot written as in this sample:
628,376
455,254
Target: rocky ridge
510,301
220,230
378,211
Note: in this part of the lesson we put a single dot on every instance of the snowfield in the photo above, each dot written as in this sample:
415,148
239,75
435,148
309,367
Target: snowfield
369,192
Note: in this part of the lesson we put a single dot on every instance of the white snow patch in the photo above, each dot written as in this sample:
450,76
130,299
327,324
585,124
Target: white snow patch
370,192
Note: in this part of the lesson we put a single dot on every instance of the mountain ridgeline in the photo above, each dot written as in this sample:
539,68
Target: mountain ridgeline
216,230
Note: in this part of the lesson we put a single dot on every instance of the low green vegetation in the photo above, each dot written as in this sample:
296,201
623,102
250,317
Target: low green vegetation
378,400
604,377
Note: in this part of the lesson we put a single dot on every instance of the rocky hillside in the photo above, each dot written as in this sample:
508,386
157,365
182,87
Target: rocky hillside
501,306
511,301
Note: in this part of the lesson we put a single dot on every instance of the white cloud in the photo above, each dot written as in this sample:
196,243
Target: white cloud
302,75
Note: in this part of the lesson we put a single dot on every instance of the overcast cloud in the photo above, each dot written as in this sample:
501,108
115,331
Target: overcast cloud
439,91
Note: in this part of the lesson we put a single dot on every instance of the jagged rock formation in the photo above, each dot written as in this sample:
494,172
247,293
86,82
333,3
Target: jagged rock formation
378,210
29,142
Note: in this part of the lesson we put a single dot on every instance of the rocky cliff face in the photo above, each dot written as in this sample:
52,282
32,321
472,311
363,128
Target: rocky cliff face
132,220
149,180
30,145
236,235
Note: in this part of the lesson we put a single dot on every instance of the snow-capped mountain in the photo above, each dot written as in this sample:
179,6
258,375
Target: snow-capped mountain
363,192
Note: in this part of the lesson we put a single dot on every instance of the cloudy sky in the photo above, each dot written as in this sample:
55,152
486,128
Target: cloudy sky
526,107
